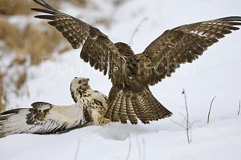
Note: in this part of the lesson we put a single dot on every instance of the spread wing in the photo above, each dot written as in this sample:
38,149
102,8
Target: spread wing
180,45
43,118
97,49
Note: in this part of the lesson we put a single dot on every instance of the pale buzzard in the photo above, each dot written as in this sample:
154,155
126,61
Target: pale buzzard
131,74
45,118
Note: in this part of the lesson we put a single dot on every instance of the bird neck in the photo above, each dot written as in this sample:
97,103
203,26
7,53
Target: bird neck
79,93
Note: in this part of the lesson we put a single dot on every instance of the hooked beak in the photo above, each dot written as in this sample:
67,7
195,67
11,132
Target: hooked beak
86,81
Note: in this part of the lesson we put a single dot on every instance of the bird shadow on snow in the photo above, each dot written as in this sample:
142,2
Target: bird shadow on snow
117,131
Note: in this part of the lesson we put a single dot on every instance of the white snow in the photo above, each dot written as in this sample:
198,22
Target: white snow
216,73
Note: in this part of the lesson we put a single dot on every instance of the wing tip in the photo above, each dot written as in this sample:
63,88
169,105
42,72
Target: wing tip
13,111
44,4
43,10
49,17
231,18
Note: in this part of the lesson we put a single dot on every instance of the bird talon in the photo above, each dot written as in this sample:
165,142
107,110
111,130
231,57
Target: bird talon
103,121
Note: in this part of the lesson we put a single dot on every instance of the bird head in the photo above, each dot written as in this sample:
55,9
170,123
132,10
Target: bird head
79,83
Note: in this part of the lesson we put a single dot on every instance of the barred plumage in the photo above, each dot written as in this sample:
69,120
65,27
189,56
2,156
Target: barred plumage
46,118
130,97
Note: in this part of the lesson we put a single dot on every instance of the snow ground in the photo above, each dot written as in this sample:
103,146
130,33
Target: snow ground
216,73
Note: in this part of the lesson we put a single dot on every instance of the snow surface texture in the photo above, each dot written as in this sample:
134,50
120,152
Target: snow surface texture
216,73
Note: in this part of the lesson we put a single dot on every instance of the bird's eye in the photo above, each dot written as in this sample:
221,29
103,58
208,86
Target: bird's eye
80,81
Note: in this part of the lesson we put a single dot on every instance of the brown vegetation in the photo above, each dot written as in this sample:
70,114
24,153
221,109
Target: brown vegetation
3,97
30,42
16,7
34,42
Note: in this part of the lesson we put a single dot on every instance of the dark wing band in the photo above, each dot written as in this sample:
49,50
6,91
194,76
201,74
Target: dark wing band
180,45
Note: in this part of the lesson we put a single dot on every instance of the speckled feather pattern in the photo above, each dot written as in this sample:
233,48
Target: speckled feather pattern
131,74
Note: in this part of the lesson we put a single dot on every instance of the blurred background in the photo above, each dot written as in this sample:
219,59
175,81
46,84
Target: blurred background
26,41
37,64
34,56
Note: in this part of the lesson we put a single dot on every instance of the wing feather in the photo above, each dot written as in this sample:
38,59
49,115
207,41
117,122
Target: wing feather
181,45
98,50
43,118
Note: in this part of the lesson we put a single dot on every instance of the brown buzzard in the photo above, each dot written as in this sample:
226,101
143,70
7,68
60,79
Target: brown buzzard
131,74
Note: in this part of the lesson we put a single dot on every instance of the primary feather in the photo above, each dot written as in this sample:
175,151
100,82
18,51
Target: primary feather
46,118
130,97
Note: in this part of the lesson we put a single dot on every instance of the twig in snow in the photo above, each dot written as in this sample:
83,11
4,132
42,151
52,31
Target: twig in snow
187,117
187,125
129,151
210,109
177,123
141,148
144,148
136,29
239,107
77,151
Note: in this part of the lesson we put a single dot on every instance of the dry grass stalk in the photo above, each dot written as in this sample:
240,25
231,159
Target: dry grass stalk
129,149
21,80
239,107
30,42
77,150
136,29
34,42
15,7
2,94
187,125
187,118
209,112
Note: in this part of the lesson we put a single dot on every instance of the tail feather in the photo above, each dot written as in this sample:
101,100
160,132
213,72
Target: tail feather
142,117
134,102
155,105
145,111
123,110
159,110
149,108
115,109
136,107
130,111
